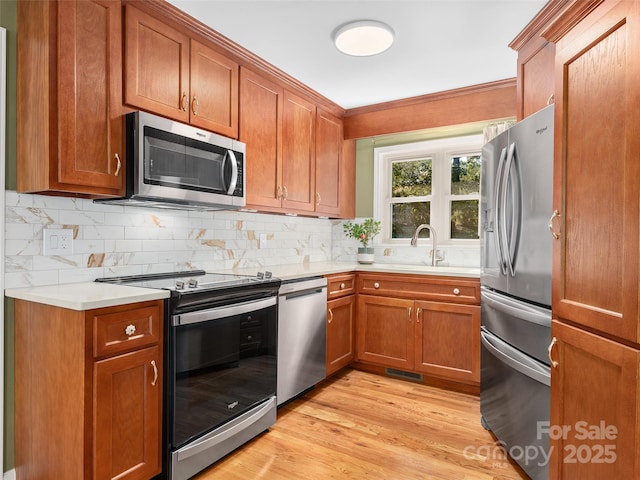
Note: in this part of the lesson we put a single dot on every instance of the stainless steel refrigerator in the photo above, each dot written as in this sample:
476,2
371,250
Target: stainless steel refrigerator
516,204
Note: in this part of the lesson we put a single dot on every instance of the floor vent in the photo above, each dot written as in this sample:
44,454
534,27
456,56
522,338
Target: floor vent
416,377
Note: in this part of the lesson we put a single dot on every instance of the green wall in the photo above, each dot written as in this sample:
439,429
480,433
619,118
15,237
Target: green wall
364,155
8,21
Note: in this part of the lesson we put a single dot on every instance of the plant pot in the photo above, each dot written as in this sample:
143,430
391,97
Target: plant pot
365,255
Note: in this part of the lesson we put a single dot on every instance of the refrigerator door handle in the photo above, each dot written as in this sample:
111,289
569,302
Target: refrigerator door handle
514,359
498,209
511,241
516,309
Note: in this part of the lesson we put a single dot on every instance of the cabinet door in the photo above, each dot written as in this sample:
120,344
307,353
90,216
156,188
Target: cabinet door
384,333
594,402
214,91
329,169
260,128
448,340
90,124
128,416
156,66
596,188
298,153
340,329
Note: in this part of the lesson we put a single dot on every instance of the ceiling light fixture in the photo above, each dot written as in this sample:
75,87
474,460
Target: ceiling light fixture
363,38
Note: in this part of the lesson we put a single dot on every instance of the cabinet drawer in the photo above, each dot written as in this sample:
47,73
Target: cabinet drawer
419,287
341,285
126,330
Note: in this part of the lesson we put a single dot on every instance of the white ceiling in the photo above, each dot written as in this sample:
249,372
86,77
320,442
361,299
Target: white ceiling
440,44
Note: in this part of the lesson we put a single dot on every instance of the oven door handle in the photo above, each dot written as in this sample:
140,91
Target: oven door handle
222,312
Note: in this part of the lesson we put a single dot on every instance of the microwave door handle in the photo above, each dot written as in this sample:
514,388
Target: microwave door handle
230,156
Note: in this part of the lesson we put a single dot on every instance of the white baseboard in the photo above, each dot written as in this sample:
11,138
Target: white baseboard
10,475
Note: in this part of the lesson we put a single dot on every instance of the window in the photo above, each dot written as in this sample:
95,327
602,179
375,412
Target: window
435,182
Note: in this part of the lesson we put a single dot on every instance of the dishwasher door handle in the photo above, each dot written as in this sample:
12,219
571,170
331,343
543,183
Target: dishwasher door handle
303,293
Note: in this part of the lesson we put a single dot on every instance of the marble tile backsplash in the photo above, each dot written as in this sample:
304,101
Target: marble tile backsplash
110,240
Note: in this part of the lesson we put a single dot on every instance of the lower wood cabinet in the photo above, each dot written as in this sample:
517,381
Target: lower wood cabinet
447,340
595,421
341,317
440,339
341,314
88,392
127,402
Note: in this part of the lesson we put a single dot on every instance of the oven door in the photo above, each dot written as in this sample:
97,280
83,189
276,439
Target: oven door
223,364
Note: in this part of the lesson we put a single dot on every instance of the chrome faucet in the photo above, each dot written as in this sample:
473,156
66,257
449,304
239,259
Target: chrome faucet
434,239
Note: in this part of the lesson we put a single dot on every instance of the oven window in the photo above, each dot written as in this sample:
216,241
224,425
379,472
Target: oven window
174,161
221,368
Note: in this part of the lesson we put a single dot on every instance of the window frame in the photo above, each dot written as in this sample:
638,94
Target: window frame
441,151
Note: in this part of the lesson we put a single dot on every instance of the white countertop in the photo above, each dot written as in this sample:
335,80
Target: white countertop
289,272
85,295
89,295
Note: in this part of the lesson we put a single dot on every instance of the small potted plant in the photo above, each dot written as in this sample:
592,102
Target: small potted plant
364,233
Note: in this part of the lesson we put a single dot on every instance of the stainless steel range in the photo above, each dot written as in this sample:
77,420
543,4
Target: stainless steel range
220,363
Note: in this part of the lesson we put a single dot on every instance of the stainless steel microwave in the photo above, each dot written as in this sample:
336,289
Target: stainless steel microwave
173,165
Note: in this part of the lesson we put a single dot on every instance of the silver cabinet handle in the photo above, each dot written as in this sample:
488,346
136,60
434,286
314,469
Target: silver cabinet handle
155,373
409,313
330,316
285,193
376,285
418,310
318,198
119,166
456,291
130,330
556,214
553,343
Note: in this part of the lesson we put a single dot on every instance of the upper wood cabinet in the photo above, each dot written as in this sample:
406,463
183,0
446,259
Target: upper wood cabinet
261,103
69,94
294,152
596,187
330,172
171,74
298,153
536,61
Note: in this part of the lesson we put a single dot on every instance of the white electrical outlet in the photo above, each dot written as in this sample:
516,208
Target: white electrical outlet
58,241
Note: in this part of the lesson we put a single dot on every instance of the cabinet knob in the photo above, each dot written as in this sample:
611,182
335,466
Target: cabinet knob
130,330
376,285
342,285
456,291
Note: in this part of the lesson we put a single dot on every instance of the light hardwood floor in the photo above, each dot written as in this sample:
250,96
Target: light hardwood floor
360,425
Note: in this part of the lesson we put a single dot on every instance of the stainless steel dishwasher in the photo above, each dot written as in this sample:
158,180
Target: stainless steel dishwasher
302,336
